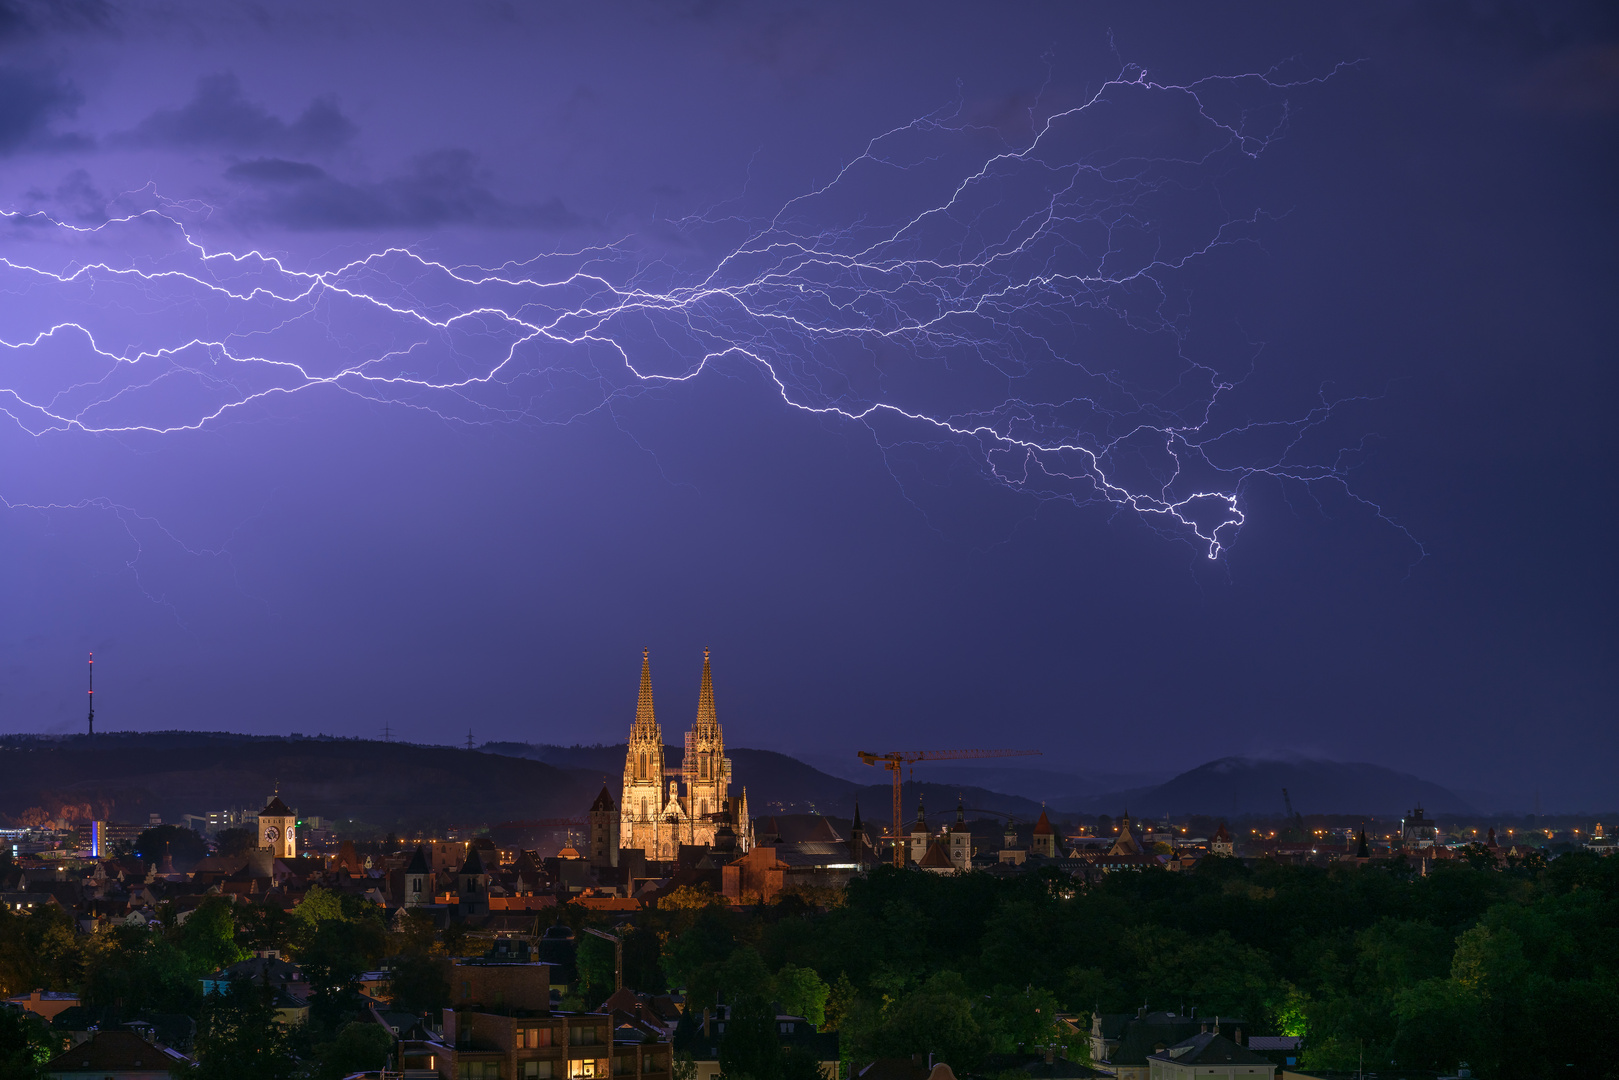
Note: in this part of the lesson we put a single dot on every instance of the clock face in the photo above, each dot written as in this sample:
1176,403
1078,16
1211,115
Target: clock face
272,834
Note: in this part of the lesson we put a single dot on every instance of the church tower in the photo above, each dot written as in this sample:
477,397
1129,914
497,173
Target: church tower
604,831
418,880
641,809
706,769
278,829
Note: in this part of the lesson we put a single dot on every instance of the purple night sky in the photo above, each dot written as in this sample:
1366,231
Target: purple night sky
914,357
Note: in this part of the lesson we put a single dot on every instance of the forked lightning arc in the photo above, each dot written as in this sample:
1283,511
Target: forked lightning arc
998,317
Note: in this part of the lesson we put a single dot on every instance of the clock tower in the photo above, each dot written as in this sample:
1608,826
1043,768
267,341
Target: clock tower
278,829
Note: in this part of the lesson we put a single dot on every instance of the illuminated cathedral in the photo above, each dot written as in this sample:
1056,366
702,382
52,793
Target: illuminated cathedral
665,806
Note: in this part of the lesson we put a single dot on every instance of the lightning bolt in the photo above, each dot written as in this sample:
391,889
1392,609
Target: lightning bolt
1025,311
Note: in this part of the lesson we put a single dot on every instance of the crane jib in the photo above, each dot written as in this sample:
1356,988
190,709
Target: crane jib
894,759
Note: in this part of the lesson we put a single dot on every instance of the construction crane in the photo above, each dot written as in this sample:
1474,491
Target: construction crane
896,760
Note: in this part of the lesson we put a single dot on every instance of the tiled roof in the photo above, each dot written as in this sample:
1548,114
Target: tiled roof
111,1050
1210,1049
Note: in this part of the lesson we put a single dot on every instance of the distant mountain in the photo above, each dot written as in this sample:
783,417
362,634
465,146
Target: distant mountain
124,776
1236,785
777,783
1049,784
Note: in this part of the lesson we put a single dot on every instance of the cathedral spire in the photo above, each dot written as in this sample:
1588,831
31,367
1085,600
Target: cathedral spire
644,717
706,718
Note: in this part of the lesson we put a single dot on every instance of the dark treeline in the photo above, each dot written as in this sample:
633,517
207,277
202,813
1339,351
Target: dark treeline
1515,970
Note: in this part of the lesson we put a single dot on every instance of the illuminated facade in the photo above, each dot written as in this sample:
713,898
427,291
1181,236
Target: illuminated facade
655,815
641,816
278,829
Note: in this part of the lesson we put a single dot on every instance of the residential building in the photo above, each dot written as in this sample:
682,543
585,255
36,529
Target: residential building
1208,1054
264,968
1123,1042
1281,1050
1125,854
1419,831
1050,1065
501,1027
284,979
820,859
115,1055
45,1004
703,1042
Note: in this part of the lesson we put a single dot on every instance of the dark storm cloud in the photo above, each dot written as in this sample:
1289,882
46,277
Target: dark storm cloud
219,115
20,19
276,171
445,187
30,99
75,199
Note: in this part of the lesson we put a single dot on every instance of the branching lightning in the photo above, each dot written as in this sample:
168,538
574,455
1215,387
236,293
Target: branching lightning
1027,310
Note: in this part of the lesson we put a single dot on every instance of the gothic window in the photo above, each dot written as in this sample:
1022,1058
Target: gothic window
702,807
702,767
643,807
642,774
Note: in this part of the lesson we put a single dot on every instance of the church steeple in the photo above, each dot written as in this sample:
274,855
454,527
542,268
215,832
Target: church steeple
641,806
707,723
705,769
644,716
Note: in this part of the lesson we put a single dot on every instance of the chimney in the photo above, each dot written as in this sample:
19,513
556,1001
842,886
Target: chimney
1238,1038
1051,1054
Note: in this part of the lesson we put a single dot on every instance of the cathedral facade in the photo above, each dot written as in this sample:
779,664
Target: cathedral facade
665,806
